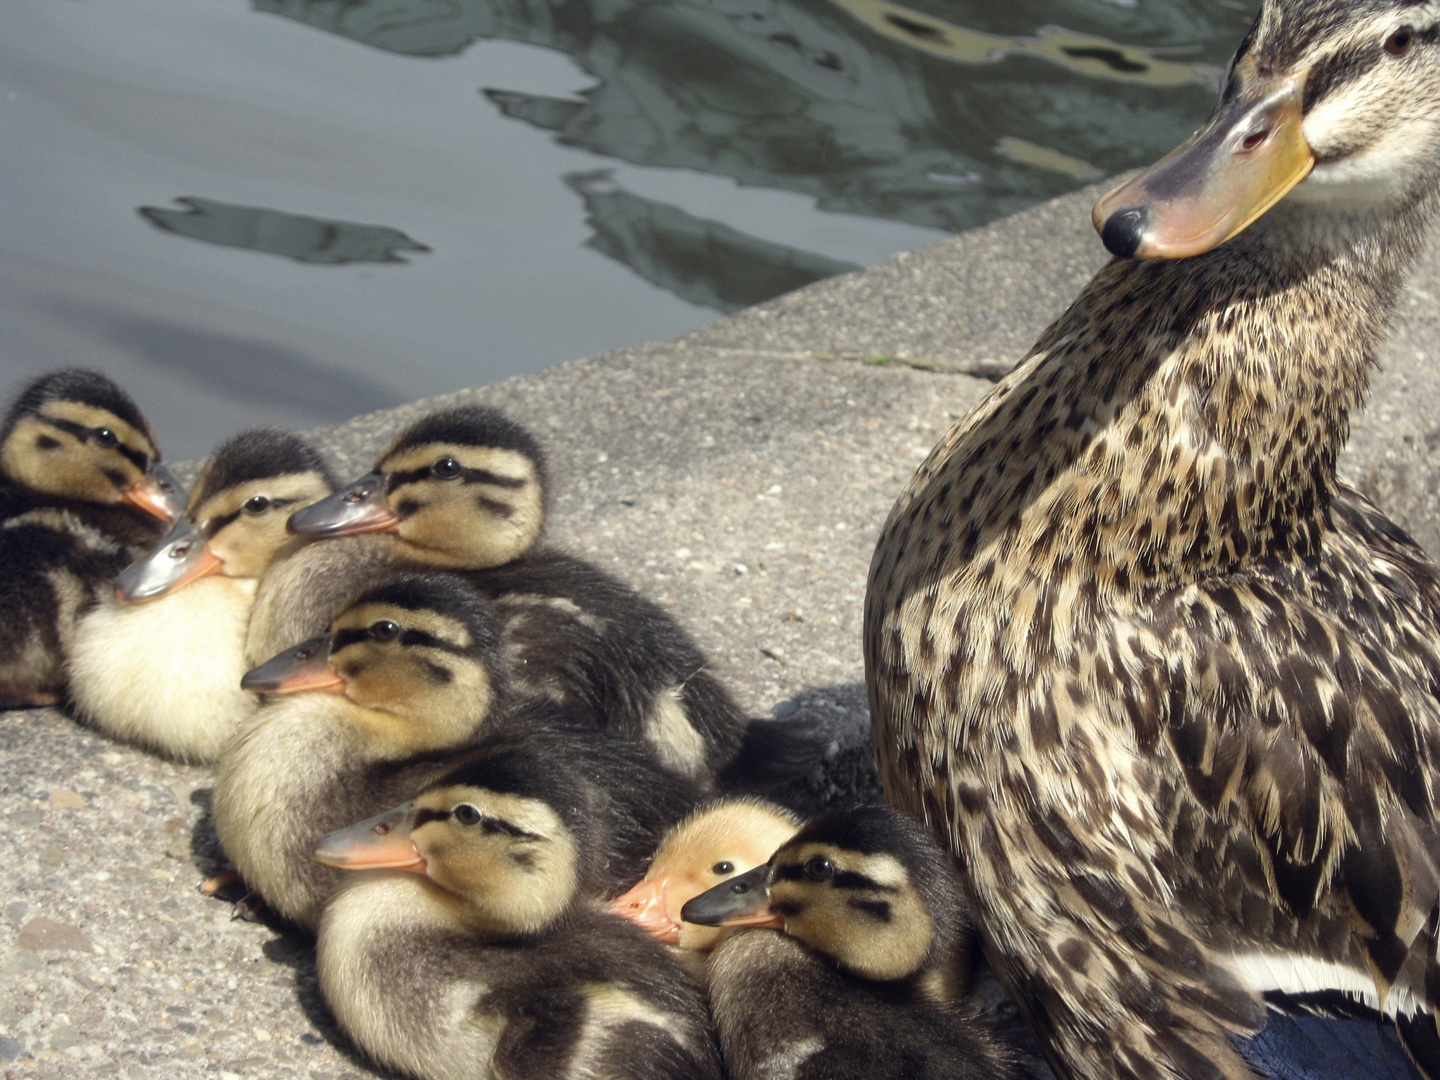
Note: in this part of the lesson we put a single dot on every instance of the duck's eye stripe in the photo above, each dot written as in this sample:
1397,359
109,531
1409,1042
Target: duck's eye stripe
215,524
343,638
497,825
1339,68
466,476
788,872
422,816
849,879
878,909
85,434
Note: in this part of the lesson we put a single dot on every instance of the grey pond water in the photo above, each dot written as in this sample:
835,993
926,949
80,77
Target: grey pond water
291,211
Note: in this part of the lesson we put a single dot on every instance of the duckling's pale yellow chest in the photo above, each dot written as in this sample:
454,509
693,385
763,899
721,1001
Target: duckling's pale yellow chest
166,674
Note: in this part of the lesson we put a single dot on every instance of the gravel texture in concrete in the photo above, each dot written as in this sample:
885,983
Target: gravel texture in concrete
738,475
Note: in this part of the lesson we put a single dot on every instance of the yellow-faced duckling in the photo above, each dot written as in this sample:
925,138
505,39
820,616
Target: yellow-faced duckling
82,493
160,665
1169,687
465,489
352,723
865,981
480,953
719,840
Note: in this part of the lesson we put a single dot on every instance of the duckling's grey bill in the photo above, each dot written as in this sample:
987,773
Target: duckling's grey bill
359,507
741,897
174,561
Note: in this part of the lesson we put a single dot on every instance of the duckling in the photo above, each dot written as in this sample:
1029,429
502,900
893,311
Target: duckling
82,492
405,680
722,838
1168,686
160,665
465,489
478,952
866,980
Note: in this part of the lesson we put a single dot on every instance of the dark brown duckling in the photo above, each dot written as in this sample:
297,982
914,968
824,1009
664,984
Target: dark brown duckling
82,493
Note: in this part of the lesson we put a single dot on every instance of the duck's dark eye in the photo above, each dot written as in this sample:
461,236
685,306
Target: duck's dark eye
256,504
384,630
1399,42
819,869
446,469
724,868
105,437
467,814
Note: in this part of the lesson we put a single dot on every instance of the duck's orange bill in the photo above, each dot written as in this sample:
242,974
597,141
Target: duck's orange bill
378,843
648,906
300,670
1241,163
151,495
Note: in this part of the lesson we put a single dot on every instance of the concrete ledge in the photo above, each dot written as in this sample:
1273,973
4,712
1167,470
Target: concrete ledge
739,475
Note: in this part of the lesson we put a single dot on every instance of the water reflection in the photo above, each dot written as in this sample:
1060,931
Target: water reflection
296,236
857,103
232,367
703,261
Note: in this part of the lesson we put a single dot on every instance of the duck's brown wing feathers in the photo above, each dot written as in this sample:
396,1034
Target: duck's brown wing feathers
1246,764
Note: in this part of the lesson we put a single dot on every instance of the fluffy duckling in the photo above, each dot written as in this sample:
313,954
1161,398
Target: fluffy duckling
160,664
478,953
1171,688
465,489
355,720
721,839
865,982
82,492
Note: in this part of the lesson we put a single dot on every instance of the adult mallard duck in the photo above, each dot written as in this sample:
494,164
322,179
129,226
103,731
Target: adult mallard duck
1171,690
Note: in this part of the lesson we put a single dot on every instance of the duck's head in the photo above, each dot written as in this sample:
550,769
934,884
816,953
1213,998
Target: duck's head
462,488
234,523
866,886
1328,104
74,434
712,845
418,658
493,831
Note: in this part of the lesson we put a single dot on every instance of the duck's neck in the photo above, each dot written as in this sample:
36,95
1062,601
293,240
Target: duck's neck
1193,410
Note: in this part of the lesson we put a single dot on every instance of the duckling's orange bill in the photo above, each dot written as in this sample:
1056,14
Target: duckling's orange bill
1242,162
304,668
182,557
648,906
378,843
157,493
740,901
362,507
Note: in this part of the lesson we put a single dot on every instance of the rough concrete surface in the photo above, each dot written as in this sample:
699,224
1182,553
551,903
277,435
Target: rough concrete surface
738,475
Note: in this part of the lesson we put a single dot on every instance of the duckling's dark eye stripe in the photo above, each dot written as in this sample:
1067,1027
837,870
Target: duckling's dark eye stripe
83,433
215,524
843,879
487,823
467,476
409,637
879,909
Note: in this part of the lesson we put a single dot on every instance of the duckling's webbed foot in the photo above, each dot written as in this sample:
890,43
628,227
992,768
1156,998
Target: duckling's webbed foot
226,885
251,908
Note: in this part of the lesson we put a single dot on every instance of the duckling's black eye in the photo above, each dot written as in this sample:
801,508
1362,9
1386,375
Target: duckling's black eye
465,813
105,437
724,868
446,469
819,869
384,630
256,504
1399,42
